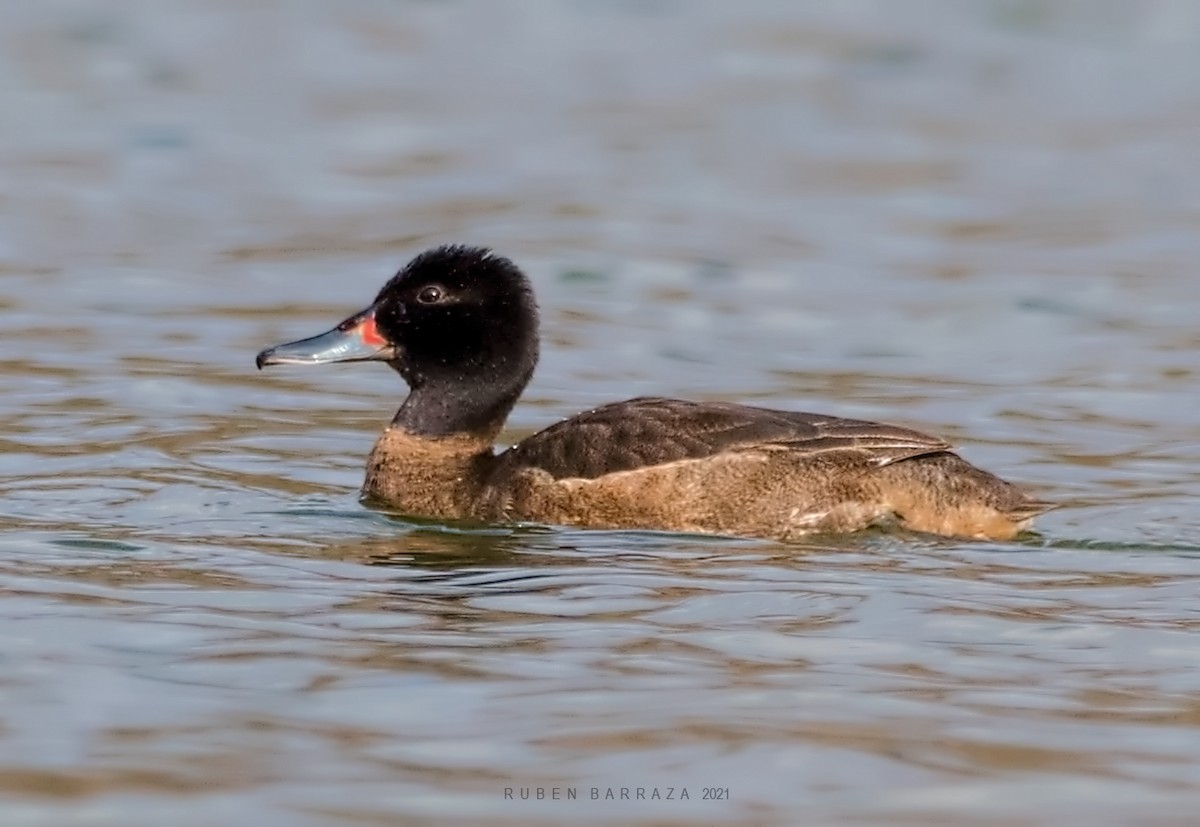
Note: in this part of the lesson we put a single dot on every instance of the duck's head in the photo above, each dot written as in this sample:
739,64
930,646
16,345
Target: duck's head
458,323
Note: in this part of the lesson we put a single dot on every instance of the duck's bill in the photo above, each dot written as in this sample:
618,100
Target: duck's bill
355,340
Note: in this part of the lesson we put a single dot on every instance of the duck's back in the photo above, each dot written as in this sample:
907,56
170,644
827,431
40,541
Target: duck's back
725,468
649,431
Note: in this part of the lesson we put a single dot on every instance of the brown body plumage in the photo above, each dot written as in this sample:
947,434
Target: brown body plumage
727,469
460,325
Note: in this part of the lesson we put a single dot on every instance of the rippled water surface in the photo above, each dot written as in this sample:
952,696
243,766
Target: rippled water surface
976,218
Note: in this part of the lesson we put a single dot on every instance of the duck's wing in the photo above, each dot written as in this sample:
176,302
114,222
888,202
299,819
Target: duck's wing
649,431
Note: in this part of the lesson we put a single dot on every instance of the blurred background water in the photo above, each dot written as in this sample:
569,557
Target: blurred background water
976,218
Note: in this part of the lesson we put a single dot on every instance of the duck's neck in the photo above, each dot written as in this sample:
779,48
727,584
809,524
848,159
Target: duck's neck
435,457
457,408
445,412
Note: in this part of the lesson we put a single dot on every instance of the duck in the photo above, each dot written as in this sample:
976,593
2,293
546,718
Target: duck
460,325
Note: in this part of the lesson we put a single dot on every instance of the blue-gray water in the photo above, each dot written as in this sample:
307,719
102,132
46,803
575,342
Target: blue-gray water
976,218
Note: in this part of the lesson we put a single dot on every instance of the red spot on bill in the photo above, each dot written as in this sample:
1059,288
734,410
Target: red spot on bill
369,333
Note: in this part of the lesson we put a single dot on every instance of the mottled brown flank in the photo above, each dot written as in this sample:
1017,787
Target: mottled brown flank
713,468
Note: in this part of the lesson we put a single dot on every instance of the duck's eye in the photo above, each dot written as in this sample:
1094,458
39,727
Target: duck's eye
430,295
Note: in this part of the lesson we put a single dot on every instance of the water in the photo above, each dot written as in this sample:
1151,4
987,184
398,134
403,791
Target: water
976,218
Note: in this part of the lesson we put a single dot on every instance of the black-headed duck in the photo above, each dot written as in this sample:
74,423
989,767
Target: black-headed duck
460,325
